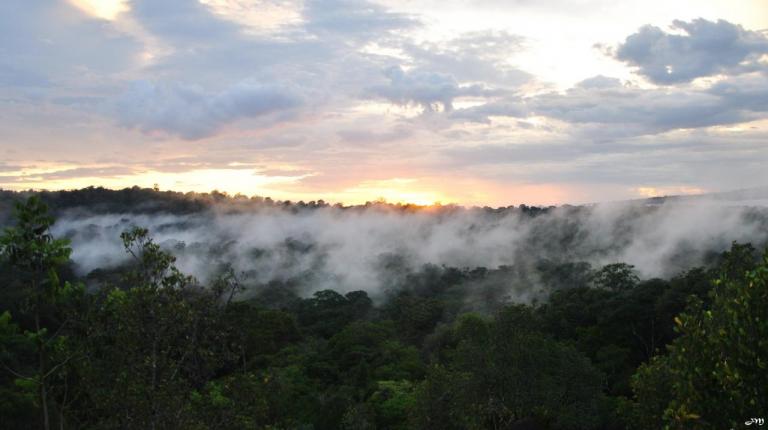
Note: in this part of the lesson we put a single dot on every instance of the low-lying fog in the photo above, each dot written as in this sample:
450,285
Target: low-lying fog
364,247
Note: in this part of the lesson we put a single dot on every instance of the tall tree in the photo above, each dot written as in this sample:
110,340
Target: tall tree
505,373
716,370
152,345
32,251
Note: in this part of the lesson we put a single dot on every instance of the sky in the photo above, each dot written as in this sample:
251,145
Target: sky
485,102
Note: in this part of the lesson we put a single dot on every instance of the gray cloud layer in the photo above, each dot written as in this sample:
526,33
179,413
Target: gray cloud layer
650,111
192,113
358,20
706,48
425,89
45,43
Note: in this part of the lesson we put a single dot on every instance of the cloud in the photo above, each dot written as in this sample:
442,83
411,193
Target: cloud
473,64
183,22
5,167
638,111
479,56
510,107
603,107
66,74
368,136
631,110
705,48
196,44
599,82
429,90
320,52
52,43
75,173
193,113
744,92
353,19
706,159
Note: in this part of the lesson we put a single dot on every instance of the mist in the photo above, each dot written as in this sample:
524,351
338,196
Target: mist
374,247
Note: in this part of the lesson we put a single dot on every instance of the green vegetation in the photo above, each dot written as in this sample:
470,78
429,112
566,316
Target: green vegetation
154,349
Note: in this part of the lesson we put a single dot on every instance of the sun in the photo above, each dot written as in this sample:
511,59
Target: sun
412,199
392,190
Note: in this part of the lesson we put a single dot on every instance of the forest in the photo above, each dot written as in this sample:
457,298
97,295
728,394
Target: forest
557,334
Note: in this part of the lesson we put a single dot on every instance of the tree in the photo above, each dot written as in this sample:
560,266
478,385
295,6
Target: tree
505,372
236,401
32,251
616,277
18,401
651,385
415,316
328,312
392,403
152,345
717,369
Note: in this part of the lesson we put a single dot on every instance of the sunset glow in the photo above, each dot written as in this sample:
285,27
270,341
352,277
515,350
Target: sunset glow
474,103
106,9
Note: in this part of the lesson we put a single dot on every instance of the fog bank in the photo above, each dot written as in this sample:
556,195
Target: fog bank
366,248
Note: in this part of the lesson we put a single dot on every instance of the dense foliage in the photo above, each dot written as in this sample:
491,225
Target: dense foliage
149,347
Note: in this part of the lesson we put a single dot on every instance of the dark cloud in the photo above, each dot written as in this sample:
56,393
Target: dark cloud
630,110
429,90
604,108
47,43
353,19
183,22
748,92
599,82
201,46
706,48
87,172
708,160
8,167
320,55
79,172
193,113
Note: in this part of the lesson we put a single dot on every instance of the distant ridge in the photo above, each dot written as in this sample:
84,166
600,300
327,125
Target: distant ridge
747,196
